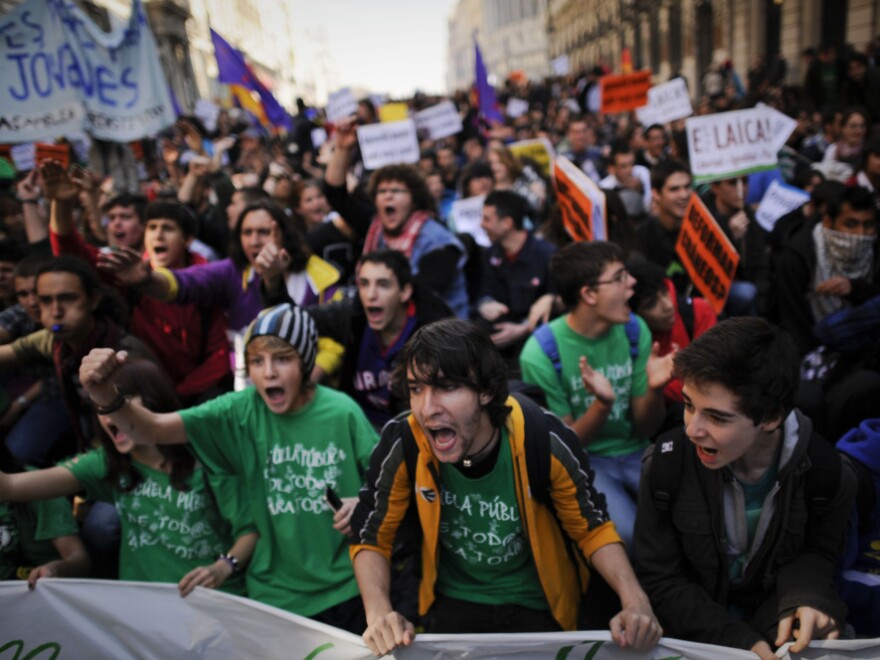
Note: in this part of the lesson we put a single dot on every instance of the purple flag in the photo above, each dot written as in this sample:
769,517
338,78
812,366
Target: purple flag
485,92
233,70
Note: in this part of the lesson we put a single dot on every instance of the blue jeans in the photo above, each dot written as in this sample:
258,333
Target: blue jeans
617,478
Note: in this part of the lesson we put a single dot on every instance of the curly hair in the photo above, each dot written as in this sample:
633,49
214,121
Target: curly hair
409,176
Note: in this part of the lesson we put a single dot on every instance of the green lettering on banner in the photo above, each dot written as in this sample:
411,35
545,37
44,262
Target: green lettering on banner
18,644
562,654
320,649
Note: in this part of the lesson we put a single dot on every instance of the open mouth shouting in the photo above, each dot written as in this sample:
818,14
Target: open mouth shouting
707,455
375,316
444,441
274,397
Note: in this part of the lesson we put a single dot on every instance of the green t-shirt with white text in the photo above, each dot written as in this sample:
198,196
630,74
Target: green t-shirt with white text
608,355
301,563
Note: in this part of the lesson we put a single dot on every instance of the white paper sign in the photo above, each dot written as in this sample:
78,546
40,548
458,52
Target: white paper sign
666,102
341,104
730,144
319,137
23,156
466,215
389,143
516,107
779,200
208,113
439,121
561,65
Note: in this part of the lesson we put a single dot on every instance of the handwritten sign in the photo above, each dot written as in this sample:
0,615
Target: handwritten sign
729,144
467,217
666,102
318,136
341,104
779,200
24,156
516,107
707,254
540,151
624,93
208,112
581,202
62,74
388,144
561,65
439,121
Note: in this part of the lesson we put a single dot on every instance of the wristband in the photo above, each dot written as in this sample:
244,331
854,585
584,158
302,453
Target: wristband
113,406
232,561
23,401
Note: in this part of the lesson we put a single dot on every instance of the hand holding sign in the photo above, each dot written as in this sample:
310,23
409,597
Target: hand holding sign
57,184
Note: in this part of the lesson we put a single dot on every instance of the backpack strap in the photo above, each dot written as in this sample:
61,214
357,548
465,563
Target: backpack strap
823,477
686,311
537,448
664,477
547,341
633,331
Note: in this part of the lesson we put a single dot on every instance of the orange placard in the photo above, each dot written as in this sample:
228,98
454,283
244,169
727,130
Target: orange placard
59,152
706,253
624,93
574,205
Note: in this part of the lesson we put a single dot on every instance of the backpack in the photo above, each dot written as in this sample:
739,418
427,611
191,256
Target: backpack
547,341
822,481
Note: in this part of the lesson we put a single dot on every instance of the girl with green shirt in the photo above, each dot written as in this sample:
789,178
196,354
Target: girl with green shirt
172,528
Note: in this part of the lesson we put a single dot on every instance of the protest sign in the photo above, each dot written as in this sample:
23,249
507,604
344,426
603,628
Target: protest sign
24,156
706,253
439,121
467,215
516,107
341,104
72,618
59,152
64,74
666,102
624,93
561,65
540,151
581,202
318,136
779,200
388,144
208,113
393,112
730,144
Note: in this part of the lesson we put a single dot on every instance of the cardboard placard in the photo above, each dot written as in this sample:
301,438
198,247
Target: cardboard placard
779,200
467,216
59,152
393,112
439,121
730,144
581,202
388,144
624,93
539,150
341,104
707,254
666,102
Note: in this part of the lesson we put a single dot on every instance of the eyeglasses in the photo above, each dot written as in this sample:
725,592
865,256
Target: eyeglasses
391,191
618,278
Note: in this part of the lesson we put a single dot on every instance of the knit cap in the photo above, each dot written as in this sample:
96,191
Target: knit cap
293,325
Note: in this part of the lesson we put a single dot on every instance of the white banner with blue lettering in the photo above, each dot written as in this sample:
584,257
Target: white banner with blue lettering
63,74
72,619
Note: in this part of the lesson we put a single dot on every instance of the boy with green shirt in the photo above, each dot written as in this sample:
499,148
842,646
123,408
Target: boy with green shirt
612,399
288,440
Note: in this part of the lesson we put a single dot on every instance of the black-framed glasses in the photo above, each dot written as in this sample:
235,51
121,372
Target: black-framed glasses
618,278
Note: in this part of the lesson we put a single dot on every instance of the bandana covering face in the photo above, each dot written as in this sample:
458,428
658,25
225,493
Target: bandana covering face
843,254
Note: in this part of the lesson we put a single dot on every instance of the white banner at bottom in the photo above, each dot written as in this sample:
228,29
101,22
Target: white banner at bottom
73,619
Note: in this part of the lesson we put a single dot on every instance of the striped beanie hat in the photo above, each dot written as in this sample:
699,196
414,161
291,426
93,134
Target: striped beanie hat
293,325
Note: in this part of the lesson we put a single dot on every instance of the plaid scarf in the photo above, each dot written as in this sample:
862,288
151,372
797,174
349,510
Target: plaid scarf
404,241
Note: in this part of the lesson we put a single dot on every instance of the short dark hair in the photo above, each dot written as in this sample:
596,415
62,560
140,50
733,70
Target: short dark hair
508,204
650,283
174,211
656,127
395,261
666,169
30,265
753,359
139,202
409,176
291,240
479,169
581,264
110,303
464,354
619,148
10,250
858,198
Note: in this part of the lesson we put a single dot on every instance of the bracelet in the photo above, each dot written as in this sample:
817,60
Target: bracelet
113,406
232,561
23,401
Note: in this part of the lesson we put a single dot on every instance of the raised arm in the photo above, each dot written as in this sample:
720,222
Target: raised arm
143,426
36,225
62,194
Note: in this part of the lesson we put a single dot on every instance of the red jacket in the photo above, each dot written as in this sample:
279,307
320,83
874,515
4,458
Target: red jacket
193,352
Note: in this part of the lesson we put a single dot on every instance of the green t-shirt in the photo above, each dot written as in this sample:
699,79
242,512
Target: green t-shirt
166,533
754,496
610,356
26,533
484,553
301,563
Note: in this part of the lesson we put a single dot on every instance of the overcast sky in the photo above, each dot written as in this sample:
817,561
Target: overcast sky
385,46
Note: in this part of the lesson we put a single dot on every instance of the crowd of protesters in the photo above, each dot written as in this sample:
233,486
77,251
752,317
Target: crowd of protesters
270,304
